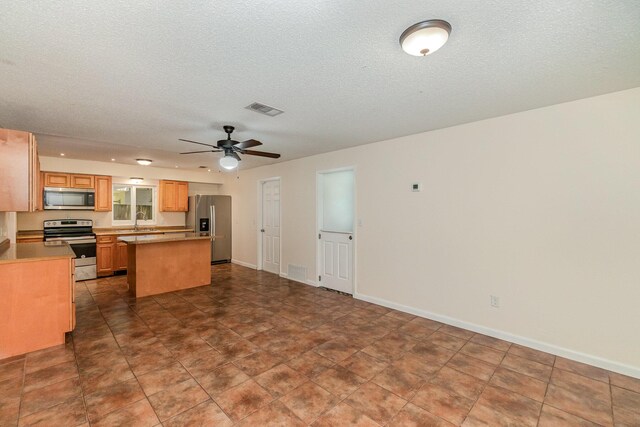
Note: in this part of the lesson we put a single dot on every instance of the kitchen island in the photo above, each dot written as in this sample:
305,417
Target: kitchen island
167,262
37,304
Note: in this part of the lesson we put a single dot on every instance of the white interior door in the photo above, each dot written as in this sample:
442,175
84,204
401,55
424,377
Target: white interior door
271,226
337,261
336,200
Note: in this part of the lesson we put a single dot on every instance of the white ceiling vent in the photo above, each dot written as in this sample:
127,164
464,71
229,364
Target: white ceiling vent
264,109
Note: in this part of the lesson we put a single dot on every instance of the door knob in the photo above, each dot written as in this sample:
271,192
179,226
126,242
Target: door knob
262,230
350,237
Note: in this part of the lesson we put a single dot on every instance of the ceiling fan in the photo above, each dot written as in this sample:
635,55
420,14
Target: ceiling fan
231,149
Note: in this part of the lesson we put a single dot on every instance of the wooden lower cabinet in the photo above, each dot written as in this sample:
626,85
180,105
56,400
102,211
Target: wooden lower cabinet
121,256
38,306
105,255
111,256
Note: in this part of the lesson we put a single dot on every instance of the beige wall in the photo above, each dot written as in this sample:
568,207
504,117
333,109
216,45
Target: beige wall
207,184
34,220
540,208
8,226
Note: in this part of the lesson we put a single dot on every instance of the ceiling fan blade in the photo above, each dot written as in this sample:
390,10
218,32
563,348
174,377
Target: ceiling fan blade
247,144
204,151
261,154
196,142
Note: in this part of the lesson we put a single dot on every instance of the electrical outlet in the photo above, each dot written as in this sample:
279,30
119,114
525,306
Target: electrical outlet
495,301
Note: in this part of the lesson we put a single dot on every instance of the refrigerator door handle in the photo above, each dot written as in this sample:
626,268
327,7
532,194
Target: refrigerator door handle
213,220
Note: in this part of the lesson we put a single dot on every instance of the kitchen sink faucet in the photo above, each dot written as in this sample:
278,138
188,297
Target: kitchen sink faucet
144,217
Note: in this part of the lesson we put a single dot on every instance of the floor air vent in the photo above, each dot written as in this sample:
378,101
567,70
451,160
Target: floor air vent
264,109
297,272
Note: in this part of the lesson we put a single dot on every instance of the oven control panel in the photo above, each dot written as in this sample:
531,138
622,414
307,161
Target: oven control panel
69,223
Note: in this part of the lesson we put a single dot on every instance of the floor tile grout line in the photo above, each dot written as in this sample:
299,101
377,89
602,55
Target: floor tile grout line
484,386
392,324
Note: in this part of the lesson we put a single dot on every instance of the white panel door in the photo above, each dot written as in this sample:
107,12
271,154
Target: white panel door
336,261
271,226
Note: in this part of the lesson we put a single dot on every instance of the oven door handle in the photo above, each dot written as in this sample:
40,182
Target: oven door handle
71,240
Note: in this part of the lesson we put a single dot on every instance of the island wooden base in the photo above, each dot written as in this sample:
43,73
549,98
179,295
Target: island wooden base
156,268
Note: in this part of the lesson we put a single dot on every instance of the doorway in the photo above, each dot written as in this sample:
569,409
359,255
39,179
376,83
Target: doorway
269,234
336,218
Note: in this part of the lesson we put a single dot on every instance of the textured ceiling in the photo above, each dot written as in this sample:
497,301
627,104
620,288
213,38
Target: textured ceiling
125,79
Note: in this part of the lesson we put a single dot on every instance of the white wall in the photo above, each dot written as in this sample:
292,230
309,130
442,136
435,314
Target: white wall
541,208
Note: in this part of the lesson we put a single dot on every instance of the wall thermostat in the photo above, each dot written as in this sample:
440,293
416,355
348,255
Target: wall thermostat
416,186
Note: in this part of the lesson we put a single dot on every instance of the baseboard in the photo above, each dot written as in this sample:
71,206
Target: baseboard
307,282
244,264
610,365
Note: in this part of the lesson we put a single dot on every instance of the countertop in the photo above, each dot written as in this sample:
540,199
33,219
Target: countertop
159,238
34,251
145,230
111,231
30,234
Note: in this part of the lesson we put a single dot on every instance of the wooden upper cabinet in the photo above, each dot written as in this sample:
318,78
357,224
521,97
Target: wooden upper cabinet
68,180
174,196
55,179
19,171
103,193
40,195
82,181
182,196
167,196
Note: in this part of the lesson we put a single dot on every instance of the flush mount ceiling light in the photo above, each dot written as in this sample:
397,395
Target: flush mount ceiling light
229,162
143,162
425,37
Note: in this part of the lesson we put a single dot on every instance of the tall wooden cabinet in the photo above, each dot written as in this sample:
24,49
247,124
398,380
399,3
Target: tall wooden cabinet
174,196
20,187
103,193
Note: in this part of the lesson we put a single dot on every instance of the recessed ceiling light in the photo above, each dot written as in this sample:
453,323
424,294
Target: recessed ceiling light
62,154
143,162
113,160
176,166
425,37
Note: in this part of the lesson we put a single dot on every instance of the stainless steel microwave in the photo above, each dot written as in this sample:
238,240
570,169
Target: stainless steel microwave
69,198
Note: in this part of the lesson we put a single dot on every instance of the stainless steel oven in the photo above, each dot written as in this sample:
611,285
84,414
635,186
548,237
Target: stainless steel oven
78,234
69,198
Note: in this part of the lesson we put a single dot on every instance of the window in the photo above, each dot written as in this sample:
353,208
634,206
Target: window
132,200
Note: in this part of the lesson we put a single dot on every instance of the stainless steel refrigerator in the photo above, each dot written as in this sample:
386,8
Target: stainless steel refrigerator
212,214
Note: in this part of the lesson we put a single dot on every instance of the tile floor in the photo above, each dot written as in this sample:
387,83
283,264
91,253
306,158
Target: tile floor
258,350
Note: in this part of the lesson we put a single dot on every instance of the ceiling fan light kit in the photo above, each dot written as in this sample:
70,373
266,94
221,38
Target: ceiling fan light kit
425,37
229,162
231,149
